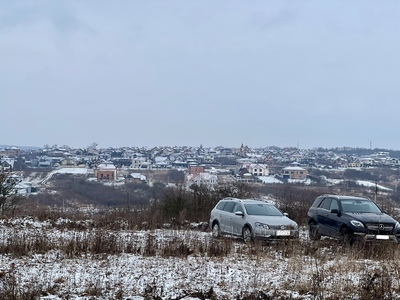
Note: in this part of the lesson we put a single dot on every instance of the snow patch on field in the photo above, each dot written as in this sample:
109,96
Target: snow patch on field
372,185
75,171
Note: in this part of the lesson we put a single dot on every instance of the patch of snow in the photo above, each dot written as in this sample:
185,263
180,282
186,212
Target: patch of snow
372,185
332,181
269,179
75,171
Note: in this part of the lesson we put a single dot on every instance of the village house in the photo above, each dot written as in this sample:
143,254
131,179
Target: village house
355,163
194,170
106,171
140,162
6,163
13,152
68,161
161,162
297,173
244,175
44,162
258,169
367,161
135,178
24,188
202,179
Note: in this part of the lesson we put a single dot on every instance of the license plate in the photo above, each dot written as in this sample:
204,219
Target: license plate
283,232
382,237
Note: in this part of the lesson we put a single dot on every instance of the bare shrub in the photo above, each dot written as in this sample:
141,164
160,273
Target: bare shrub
149,248
11,290
105,242
176,248
295,200
376,284
373,250
218,248
93,290
24,244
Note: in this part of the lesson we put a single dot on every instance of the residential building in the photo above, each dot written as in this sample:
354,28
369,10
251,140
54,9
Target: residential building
294,173
106,171
13,152
205,179
135,178
258,169
194,170
140,162
6,163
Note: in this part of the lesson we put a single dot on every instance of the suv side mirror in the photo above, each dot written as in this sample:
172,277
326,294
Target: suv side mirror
239,213
335,211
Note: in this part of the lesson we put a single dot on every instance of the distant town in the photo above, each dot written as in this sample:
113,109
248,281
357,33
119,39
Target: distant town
200,165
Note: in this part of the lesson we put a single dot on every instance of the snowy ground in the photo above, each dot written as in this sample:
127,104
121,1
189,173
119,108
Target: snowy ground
372,185
79,171
187,264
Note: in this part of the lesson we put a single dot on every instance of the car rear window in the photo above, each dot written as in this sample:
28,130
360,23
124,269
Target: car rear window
221,205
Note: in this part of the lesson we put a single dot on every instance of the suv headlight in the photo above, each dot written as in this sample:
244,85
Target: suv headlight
356,223
261,225
397,226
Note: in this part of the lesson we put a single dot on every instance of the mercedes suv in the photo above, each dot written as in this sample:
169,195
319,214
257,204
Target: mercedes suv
350,219
251,219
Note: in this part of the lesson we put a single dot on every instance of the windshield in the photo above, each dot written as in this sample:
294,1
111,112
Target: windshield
360,206
262,210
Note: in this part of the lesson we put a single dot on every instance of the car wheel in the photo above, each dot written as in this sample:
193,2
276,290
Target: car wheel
246,234
216,233
313,232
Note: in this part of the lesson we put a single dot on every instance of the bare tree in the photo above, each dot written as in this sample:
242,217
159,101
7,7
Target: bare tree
236,190
176,176
8,192
175,202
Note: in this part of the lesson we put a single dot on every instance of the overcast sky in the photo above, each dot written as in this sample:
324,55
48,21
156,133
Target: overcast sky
157,73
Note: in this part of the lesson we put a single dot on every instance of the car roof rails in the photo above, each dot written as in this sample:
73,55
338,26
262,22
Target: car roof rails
230,198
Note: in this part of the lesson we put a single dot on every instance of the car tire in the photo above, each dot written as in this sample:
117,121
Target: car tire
313,232
246,235
216,231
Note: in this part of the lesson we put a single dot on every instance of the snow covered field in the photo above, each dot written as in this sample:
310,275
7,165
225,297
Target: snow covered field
49,260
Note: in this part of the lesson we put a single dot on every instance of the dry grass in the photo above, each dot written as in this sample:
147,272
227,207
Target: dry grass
306,269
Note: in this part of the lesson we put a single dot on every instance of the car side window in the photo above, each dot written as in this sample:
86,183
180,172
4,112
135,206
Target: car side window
326,203
334,204
238,207
221,205
229,206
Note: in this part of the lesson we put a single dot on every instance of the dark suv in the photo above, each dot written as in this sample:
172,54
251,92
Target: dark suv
350,218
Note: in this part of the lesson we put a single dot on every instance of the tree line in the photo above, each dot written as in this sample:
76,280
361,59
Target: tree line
160,203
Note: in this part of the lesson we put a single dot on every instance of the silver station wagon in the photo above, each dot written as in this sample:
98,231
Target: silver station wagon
251,219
